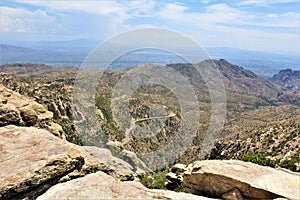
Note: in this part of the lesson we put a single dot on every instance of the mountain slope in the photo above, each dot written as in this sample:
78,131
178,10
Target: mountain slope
253,108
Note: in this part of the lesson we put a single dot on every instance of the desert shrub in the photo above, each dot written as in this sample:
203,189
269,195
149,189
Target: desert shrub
260,159
156,181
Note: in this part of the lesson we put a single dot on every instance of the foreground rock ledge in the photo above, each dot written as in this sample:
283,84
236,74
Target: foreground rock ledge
101,186
32,160
215,177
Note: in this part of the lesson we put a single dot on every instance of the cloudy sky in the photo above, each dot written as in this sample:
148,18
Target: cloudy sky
265,25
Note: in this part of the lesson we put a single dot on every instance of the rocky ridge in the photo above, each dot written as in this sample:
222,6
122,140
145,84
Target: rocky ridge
35,70
287,78
22,111
54,95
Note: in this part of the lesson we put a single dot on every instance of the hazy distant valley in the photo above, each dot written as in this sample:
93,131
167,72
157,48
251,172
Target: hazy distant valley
72,53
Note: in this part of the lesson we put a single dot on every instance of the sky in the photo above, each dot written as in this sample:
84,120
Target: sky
263,25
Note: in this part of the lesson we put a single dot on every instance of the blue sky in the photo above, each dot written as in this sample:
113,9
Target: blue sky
265,25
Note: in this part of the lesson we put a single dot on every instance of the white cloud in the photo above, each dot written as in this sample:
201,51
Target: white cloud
95,7
223,14
100,19
265,2
142,8
108,16
222,25
22,20
217,13
289,19
205,1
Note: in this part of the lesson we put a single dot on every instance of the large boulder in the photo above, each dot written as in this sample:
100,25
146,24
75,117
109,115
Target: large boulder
32,160
216,177
102,186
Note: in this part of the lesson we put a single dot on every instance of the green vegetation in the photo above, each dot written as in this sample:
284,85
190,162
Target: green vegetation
110,127
290,164
260,159
157,181
183,188
69,130
104,104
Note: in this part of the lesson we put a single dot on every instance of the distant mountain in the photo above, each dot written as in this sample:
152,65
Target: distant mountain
73,52
35,70
288,79
10,51
264,64
243,87
50,55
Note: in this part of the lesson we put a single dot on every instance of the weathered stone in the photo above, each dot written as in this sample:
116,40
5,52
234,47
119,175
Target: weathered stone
33,159
102,186
9,115
22,111
178,167
131,158
215,177
103,159
29,116
233,194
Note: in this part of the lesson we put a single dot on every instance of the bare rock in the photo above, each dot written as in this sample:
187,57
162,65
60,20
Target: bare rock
32,160
215,177
19,110
29,115
9,114
102,186
233,194
103,160
178,167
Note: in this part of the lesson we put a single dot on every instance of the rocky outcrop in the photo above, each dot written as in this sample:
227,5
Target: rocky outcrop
32,160
288,79
22,111
102,186
215,177
54,94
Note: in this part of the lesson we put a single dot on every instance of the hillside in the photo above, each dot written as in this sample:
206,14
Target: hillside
259,128
253,109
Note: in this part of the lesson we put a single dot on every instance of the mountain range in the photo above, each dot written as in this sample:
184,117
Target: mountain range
72,53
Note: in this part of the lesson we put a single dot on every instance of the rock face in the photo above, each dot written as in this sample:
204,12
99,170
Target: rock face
20,110
102,186
215,177
32,160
